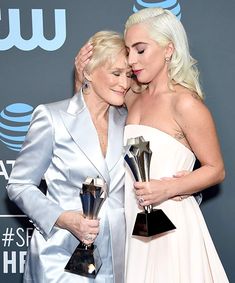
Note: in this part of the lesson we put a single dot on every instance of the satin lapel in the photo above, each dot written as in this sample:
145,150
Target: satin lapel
78,123
117,119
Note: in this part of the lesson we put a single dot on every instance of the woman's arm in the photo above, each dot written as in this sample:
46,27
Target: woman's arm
28,170
30,166
198,127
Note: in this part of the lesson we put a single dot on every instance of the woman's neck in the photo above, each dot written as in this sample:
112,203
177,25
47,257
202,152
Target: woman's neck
159,84
98,108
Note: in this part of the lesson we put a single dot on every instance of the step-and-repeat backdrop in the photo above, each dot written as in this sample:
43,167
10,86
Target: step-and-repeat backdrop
38,43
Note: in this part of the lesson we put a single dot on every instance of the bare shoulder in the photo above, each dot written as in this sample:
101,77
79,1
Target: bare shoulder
191,113
187,101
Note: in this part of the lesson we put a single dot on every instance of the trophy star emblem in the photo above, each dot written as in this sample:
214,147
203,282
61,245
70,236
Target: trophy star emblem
137,146
91,183
138,156
141,147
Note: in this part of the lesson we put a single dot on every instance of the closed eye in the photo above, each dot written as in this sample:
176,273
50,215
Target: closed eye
117,74
129,75
140,51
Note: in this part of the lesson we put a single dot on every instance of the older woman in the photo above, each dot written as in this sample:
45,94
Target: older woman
68,141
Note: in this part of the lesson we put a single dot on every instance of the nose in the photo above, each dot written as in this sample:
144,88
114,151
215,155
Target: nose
131,58
124,82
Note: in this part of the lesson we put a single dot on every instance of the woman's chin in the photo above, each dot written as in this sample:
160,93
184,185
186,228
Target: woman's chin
142,80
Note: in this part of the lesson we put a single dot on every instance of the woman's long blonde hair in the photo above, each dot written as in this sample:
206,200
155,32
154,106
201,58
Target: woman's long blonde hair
164,27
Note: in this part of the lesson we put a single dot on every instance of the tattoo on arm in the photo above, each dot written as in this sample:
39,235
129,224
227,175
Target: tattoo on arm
179,135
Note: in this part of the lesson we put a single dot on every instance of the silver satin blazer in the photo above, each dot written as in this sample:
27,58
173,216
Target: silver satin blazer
63,147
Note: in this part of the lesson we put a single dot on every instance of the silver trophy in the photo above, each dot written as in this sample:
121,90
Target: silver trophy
151,221
85,260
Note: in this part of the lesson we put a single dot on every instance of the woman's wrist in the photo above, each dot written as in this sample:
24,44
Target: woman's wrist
172,189
67,218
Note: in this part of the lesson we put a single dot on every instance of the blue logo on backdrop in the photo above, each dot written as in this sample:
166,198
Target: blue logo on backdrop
14,37
14,124
172,5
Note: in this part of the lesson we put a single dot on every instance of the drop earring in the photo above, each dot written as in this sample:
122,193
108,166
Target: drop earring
167,59
85,85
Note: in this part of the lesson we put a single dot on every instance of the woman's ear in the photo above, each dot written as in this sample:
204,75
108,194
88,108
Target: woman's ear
87,76
169,50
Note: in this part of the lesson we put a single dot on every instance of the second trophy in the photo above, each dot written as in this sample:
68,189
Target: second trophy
151,221
85,260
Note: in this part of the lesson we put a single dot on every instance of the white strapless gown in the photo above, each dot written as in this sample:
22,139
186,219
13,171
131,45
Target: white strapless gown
184,255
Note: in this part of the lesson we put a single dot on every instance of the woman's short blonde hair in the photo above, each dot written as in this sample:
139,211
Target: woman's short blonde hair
164,27
107,45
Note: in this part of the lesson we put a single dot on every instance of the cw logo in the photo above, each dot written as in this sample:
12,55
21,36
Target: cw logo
14,37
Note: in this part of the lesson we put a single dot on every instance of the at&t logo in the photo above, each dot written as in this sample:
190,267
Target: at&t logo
172,5
14,37
14,124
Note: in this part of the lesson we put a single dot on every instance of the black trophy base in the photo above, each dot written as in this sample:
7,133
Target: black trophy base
152,223
85,261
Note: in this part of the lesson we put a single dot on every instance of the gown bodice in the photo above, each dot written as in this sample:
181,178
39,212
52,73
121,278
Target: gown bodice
168,154
186,254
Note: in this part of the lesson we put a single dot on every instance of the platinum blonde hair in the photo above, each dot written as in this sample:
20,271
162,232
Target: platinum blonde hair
107,45
164,27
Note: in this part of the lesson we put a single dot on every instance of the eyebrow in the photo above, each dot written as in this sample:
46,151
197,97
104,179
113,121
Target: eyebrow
120,69
139,42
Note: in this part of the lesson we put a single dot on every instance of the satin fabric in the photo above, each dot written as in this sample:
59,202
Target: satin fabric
63,147
184,255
